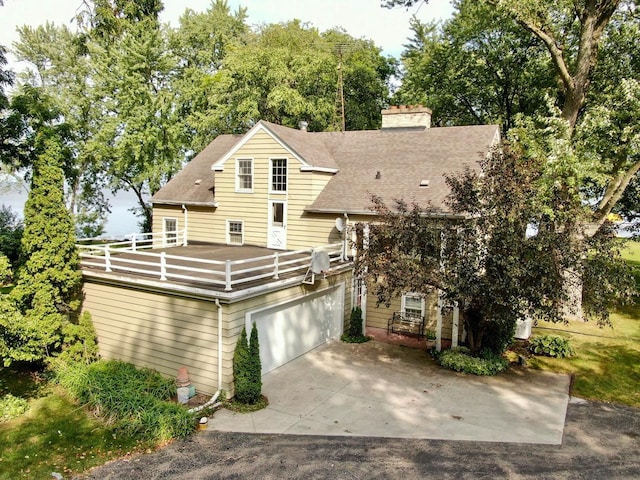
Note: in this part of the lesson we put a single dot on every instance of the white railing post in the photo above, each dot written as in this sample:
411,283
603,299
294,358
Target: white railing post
276,266
107,259
227,276
133,242
163,266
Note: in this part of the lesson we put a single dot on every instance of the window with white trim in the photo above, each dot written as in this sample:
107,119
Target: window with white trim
413,305
235,232
244,175
170,231
279,175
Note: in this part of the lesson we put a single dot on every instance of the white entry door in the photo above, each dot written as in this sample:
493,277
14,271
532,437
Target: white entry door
277,225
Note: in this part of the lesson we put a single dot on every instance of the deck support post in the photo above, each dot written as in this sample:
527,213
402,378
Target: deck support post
454,326
163,265
227,276
107,259
276,264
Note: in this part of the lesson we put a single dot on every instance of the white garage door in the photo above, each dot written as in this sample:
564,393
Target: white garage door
288,330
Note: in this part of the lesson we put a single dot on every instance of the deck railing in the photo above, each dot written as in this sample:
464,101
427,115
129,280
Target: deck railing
139,241
133,256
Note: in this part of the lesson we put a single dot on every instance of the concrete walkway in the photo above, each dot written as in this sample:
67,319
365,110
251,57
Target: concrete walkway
380,390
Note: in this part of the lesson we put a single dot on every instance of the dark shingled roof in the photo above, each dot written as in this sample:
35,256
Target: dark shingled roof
401,160
388,163
193,185
310,146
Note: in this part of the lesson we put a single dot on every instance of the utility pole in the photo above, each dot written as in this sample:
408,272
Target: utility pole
340,49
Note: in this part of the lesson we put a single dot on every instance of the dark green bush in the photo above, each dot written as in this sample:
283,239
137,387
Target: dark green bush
355,333
355,322
79,341
551,346
247,375
499,334
136,400
459,360
255,366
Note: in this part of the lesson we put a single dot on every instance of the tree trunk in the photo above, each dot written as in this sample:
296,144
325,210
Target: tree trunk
476,328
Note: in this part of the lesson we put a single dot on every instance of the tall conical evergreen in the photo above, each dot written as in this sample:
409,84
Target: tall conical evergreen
240,371
37,309
255,367
247,368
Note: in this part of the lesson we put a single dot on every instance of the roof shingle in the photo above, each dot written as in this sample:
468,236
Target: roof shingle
194,184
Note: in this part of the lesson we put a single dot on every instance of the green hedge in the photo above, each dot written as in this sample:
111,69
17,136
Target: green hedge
137,400
459,360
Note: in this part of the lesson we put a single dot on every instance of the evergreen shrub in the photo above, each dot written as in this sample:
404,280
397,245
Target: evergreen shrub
247,369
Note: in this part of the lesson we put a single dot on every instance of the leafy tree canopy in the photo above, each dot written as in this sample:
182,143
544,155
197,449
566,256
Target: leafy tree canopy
589,155
289,72
479,67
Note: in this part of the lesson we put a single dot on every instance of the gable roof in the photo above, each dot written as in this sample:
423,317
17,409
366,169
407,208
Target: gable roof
194,184
308,148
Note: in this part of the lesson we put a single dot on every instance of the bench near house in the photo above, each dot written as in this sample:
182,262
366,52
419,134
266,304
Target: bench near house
259,228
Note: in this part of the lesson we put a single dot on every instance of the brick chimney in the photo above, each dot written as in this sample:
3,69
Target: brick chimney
407,117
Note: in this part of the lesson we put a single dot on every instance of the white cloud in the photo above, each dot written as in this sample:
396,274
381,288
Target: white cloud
389,29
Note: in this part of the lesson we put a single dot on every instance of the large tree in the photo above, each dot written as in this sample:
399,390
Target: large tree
482,258
59,64
291,72
35,312
478,67
138,142
579,169
201,44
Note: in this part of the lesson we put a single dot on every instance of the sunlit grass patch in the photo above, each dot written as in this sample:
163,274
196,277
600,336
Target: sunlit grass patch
606,366
55,435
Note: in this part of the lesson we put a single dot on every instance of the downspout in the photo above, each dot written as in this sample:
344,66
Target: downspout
219,344
186,224
345,229
212,401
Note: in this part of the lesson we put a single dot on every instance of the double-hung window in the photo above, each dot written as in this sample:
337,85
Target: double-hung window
413,305
244,175
278,175
235,232
170,231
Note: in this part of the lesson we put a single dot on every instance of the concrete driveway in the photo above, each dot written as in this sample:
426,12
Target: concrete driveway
380,390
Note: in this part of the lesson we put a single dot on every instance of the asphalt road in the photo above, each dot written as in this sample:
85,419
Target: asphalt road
601,441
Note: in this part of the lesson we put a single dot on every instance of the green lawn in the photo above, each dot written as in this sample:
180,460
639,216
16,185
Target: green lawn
606,366
55,435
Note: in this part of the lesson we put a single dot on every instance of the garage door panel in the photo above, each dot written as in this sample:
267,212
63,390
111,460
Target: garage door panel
289,330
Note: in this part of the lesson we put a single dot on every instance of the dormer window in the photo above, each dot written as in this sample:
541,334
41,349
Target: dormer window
278,175
244,175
